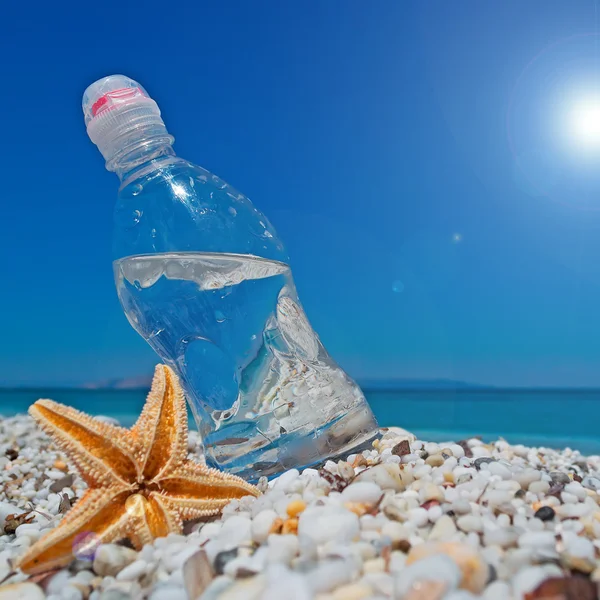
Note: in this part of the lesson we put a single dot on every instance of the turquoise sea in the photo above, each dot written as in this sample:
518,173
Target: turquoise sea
554,418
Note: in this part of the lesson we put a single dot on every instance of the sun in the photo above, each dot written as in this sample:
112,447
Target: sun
585,122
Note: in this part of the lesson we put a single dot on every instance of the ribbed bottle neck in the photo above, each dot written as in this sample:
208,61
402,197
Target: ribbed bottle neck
139,153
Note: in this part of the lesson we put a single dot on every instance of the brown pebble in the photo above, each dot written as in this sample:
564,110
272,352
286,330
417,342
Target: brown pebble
401,545
465,446
63,482
11,454
401,448
564,588
60,465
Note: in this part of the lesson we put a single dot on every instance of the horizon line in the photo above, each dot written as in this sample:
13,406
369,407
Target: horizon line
462,388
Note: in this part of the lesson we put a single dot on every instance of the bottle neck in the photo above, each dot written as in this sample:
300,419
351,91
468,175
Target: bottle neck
137,148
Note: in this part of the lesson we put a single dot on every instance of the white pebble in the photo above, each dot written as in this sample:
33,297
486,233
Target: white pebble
468,523
261,525
418,517
362,491
133,571
318,525
499,469
433,568
387,476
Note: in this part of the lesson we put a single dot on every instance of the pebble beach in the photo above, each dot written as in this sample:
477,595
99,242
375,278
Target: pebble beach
408,520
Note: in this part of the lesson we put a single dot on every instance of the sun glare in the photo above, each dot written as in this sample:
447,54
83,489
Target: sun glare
585,122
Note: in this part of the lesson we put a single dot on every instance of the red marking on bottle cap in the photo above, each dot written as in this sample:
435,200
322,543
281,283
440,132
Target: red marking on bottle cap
121,92
99,104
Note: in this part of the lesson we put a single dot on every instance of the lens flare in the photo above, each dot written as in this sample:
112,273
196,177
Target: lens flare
585,122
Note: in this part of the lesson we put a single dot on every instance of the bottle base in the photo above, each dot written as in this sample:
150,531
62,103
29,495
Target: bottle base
350,433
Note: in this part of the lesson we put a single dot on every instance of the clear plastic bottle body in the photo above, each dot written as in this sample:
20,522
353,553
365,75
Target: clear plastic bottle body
203,277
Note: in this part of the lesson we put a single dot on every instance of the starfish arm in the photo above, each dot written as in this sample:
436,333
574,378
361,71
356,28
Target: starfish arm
161,430
99,517
149,518
102,453
194,490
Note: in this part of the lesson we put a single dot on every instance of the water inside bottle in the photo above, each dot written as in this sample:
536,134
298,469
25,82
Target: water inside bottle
255,373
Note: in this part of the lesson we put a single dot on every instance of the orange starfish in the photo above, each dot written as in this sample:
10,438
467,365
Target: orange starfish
141,484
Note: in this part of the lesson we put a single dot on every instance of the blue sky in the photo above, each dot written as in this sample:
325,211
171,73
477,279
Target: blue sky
421,161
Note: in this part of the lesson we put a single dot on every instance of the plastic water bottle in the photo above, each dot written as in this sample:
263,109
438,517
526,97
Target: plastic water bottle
203,277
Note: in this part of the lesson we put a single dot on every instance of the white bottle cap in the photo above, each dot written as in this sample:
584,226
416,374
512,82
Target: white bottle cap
118,111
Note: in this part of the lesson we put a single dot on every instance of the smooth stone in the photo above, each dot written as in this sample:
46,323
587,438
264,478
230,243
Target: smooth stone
21,591
58,582
468,523
559,477
461,507
5,510
538,540
395,531
418,517
173,562
526,580
438,567
168,592
498,497
569,511
545,513
352,591
70,592
568,498
435,460
387,476
284,583
539,487
30,530
285,480
398,434
251,588
526,477
430,491
110,559
235,531
282,548
579,552
261,525
362,491
591,483
498,590
330,574
461,595
505,537
432,448
474,570
496,468
576,489
321,524
380,583
457,451
133,571
374,565
443,529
